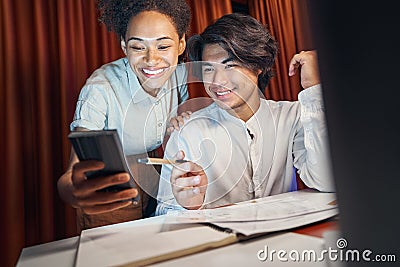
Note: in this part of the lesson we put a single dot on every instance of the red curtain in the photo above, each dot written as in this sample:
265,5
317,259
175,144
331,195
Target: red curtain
47,50
204,12
288,21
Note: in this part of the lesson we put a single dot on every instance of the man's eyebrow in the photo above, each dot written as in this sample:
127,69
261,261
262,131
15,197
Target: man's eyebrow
147,39
207,63
227,60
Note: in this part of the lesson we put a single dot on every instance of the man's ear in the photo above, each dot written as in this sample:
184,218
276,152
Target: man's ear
123,46
182,44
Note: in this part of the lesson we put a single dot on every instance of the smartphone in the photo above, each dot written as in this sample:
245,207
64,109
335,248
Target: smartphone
105,146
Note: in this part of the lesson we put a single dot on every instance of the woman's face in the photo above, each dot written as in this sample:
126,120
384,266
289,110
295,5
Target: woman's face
152,46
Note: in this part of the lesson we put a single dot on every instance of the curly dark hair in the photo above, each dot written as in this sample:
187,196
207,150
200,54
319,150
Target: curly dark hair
244,38
115,14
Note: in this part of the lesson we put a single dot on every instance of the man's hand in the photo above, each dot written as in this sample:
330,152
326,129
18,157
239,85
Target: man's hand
189,183
308,62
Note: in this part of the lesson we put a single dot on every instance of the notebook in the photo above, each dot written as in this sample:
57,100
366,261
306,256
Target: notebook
176,235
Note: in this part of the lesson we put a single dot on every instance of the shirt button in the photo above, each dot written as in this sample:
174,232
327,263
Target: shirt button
157,102
160,124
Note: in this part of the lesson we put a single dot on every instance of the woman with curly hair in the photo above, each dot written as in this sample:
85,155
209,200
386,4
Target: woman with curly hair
135,95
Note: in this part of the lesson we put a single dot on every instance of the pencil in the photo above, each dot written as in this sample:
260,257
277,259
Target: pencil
158,161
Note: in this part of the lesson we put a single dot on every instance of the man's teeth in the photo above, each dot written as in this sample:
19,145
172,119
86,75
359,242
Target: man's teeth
223,93
153,72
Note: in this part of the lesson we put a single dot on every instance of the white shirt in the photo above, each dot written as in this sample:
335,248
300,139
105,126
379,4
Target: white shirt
240,167
113,98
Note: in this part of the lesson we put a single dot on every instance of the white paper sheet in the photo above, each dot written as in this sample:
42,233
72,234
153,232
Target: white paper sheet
275,207
256,227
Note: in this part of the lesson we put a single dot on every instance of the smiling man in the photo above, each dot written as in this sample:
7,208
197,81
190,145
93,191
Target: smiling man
242,146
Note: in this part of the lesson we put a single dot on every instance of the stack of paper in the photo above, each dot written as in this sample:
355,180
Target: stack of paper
264,215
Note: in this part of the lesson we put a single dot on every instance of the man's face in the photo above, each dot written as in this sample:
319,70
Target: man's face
152,47
230,84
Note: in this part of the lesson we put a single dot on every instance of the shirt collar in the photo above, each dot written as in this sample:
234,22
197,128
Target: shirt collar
225,114
263,116
254,124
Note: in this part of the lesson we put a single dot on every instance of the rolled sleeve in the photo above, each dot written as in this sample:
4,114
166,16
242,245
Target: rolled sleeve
91,109
315,166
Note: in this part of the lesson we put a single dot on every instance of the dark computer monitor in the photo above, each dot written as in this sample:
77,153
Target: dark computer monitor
358,57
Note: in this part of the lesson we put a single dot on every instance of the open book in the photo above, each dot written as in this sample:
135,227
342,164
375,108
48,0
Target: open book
182,233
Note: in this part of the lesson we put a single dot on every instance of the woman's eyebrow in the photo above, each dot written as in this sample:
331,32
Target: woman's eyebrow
141,39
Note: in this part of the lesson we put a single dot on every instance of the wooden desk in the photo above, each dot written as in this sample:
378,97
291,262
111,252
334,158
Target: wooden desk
317,229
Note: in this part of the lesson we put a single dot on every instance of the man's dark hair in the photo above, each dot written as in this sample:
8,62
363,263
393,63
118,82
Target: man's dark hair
115,14
244,38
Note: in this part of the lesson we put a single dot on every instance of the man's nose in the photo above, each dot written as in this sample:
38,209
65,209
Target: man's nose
220,78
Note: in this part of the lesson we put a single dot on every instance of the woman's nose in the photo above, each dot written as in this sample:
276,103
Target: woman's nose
152,57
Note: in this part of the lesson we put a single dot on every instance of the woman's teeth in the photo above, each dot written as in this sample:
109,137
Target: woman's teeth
153,72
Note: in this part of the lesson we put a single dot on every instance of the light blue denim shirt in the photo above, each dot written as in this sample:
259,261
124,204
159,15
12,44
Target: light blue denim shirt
253,159
113,98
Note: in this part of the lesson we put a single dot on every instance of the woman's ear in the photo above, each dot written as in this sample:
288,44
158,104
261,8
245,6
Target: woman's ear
123,46
182,45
